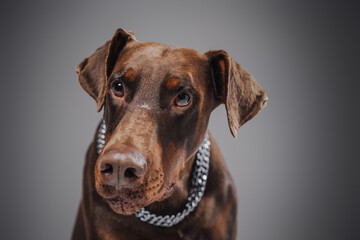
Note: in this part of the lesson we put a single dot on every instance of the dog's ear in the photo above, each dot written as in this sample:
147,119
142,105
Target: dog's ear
242,95
94,71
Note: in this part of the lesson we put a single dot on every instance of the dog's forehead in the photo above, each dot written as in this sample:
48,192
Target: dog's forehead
159,58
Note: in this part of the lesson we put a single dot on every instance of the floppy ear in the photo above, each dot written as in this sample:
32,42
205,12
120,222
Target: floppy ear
242,95
94,71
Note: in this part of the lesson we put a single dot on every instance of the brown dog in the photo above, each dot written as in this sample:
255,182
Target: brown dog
157,102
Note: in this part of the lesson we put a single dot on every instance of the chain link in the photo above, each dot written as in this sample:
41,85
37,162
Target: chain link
100,140
198,184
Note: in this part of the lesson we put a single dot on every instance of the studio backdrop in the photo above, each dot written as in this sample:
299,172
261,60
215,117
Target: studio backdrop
295,165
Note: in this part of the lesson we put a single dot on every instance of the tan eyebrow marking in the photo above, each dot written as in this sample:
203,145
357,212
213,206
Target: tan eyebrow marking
172,82
130,75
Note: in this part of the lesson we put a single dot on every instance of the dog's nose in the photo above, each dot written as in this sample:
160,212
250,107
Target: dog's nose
122,167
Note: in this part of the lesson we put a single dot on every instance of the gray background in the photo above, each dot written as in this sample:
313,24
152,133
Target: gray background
295,165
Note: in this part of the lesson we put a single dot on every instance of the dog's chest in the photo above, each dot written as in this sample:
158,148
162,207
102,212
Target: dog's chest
128,228
112,234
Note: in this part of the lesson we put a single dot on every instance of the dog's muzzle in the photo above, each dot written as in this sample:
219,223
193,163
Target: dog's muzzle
131,167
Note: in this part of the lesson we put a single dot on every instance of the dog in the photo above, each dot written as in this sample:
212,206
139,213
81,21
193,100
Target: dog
153,171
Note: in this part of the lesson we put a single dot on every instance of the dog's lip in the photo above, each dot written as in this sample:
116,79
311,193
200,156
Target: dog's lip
168,191
118,196
114,197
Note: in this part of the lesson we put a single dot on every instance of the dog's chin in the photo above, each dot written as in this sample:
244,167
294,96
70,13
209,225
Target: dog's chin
127,205
123,207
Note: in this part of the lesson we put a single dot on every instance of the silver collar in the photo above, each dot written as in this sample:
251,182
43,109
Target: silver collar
200,172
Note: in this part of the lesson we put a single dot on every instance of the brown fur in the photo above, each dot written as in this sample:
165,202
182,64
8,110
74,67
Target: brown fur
167,136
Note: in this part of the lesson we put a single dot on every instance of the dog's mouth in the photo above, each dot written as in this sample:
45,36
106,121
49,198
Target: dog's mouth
168,192
128,201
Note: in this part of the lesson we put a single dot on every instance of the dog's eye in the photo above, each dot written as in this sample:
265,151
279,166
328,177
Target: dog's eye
182,100
118,89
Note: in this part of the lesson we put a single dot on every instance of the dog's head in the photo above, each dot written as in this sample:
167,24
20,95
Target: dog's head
157,102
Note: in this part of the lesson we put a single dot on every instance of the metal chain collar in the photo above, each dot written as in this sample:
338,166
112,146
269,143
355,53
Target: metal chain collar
198,184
